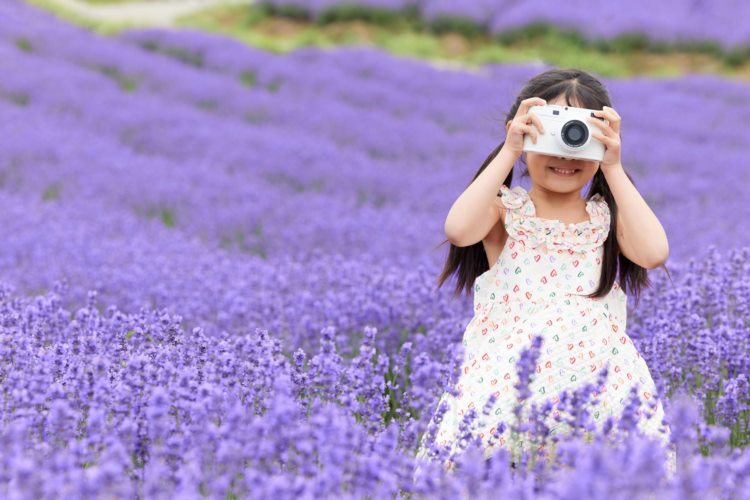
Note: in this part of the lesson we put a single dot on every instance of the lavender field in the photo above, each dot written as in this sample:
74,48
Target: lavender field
217,277
670,21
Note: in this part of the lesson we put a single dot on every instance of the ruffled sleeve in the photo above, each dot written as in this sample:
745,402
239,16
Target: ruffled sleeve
512,198
523,225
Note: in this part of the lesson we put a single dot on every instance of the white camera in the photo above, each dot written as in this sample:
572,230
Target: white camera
567,133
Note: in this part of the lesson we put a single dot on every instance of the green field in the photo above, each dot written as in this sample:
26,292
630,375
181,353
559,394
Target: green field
454,43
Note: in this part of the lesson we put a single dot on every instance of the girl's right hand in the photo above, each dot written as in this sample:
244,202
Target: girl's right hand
520,125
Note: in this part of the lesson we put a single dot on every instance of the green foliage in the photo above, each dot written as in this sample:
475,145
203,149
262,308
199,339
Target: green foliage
708,47
396,25
528,33
456,24
137,460
239,242
274,85
290,11
129,334
396,385
364,196
184,55
24,44
18,98
351,12
52,192
594,62
737,57
629,42
660,47
249,77
256,116
126,83
149,45
411,36
167,217
254,15
208,104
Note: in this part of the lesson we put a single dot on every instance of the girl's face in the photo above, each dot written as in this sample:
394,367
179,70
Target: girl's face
542,174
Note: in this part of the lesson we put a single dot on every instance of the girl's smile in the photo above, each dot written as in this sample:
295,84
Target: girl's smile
564,172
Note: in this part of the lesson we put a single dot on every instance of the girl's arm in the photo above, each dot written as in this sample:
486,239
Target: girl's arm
640,235
476,211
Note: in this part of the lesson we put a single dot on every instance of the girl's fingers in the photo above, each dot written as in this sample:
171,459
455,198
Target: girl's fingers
527,118
527,129
601,137
611,116
612,112
531,101
608,113
606,129
609,142
538,122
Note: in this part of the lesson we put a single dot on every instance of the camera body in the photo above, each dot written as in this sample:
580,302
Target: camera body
567,133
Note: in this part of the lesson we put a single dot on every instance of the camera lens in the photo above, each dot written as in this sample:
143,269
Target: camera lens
575,133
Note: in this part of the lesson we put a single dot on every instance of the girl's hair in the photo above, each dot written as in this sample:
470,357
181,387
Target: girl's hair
471,261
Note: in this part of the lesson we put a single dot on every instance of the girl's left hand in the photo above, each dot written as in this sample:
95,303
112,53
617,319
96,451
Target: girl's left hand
611,136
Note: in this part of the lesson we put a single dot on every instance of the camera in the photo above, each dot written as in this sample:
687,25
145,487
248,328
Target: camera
567,133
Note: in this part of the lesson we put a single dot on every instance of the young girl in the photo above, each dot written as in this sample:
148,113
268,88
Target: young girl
544,262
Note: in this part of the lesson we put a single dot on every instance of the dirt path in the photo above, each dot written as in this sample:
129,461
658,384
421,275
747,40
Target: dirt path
151,13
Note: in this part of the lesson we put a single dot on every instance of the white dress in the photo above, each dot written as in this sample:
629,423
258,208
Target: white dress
538,286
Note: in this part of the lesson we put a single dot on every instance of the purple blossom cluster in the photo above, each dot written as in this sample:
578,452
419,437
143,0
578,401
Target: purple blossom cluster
133,405
218,273
672,21
694,332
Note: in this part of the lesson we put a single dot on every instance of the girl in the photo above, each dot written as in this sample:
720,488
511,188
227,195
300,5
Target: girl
544,261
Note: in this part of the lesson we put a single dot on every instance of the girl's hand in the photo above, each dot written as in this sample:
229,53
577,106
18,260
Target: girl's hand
611,136
519,126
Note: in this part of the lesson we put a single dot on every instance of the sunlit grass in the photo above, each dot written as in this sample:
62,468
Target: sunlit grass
107,2
101,27
623,57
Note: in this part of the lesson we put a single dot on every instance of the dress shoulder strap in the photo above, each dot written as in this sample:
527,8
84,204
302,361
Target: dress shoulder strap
599,210
516,198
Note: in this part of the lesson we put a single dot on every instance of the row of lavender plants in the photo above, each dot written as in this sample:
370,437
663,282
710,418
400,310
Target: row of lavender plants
131,405
220,278
711,25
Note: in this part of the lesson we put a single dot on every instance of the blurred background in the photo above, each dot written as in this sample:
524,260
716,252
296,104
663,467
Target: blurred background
288,165
326,133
